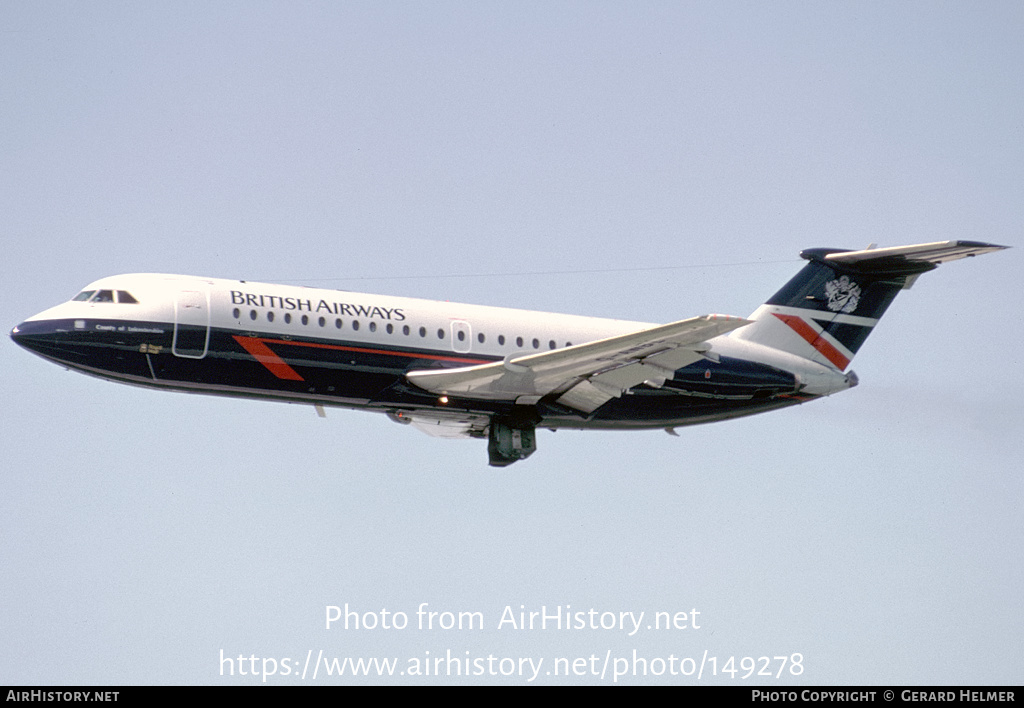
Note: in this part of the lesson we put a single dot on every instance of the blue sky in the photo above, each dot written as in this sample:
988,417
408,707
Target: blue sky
645,161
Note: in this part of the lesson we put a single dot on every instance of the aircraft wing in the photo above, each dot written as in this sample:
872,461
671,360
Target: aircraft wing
585,375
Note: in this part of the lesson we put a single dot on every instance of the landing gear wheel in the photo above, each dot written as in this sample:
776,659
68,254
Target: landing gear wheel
510,443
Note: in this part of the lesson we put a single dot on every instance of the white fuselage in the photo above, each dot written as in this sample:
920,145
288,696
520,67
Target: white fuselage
458,330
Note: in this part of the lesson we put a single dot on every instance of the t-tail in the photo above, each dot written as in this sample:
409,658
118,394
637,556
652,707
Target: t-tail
830,307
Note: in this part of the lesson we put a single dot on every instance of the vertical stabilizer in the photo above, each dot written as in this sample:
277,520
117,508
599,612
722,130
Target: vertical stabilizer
831,306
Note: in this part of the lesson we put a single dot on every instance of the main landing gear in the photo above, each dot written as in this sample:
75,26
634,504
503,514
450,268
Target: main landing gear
510,441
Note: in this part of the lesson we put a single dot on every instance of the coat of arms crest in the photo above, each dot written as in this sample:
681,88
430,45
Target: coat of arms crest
843,294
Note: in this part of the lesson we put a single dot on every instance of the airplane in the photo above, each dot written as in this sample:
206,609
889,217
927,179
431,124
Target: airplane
456,370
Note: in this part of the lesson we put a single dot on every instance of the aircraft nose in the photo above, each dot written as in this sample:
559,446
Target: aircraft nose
33,335
18,335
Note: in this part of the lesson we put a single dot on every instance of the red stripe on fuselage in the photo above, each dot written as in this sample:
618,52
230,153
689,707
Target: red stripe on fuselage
257,346
811,336
264,355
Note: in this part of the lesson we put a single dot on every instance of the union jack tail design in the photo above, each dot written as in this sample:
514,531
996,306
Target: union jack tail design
830,307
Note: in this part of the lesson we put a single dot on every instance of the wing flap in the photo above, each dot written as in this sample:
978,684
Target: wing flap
591,393
588,374
585,397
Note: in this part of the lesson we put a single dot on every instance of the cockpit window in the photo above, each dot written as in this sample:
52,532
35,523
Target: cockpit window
122,296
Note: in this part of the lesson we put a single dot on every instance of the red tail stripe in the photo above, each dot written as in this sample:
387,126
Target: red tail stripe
811,336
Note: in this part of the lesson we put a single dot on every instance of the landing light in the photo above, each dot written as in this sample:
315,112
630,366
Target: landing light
443,400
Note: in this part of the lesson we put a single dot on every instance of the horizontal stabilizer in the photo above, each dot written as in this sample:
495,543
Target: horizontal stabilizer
934,253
